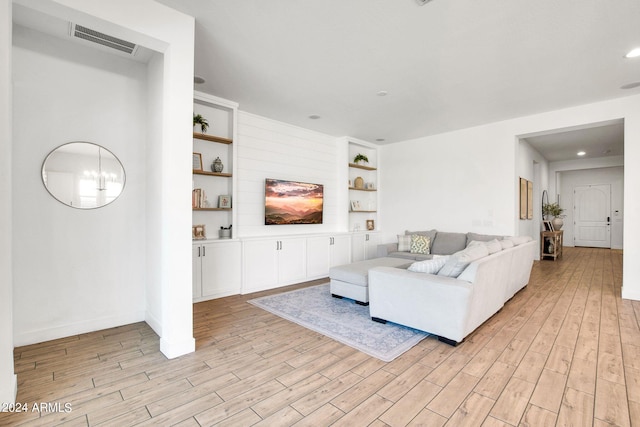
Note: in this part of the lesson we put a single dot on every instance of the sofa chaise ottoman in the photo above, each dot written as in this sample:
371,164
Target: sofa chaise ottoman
352,280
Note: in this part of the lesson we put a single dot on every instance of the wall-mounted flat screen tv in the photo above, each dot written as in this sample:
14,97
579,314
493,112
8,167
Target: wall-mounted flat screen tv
292,202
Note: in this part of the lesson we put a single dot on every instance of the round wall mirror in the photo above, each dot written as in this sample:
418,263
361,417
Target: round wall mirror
83,175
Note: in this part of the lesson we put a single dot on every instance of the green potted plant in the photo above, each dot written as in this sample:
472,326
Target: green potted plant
554,210
360,158
199,120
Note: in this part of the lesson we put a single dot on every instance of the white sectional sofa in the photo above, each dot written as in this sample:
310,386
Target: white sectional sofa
452,307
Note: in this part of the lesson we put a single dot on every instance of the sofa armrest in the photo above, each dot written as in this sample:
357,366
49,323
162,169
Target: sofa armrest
386,248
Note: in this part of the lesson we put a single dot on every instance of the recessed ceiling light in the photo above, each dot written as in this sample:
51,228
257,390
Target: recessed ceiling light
380,139
581,153
634,53
630,85
382,93
198,80
314,117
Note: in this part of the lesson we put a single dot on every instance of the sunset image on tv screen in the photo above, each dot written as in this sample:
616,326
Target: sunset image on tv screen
290,202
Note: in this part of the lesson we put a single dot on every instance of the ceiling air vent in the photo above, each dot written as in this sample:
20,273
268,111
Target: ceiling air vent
94,36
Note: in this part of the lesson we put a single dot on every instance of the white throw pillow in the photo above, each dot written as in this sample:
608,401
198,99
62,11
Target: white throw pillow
460,260
430,266
506,243
493,246
404,242
518,240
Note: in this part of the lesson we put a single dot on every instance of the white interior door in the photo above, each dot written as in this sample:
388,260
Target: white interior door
592,216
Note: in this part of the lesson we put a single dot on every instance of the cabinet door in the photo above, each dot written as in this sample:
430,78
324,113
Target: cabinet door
340,250
357,247
196,278
318,262
260,265
292,261
370,245
221,269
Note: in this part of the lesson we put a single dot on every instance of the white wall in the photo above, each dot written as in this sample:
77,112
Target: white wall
467,180
7,378
532,166
76,270
171,33
459,181
271,149
613,176
153,194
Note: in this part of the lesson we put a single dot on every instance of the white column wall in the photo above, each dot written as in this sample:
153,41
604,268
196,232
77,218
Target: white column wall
165,30
7,376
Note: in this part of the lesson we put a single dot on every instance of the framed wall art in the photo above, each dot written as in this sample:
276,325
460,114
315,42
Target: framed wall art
197,161
523,198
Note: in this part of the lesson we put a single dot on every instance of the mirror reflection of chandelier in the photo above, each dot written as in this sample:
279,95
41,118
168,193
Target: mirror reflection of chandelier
100,177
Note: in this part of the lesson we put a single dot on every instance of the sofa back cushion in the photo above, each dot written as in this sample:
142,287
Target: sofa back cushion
431,234
460,260
481,237
447,243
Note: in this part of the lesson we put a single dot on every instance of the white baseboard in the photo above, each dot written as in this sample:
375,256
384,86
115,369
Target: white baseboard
154,323
81,327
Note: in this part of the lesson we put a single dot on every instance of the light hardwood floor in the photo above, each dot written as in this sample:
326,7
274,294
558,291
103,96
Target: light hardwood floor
564,351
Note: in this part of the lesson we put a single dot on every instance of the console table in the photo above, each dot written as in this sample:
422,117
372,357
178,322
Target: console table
555,239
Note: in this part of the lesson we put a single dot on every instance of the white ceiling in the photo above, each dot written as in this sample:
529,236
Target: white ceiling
447,65
600,140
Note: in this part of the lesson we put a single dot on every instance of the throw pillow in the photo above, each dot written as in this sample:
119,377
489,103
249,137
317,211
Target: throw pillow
460,260
518,240
430,266
404,243
506,243
493,246
420,244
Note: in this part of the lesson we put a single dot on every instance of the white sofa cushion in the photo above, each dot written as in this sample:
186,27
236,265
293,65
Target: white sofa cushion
460,260
430,266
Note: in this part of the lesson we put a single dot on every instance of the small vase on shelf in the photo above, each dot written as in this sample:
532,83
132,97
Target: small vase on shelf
217,165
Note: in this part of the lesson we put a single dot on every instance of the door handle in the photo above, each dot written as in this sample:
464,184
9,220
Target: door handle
203,251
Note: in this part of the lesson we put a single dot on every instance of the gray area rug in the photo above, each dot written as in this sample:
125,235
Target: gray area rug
343,320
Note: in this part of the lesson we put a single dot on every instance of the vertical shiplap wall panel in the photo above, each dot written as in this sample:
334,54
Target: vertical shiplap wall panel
271,149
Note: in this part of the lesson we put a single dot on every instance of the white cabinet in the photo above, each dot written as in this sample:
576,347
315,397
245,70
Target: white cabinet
364,246
323,252
216,269
270,263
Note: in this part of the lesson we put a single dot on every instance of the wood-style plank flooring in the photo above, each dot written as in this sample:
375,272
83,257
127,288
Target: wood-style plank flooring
564,351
